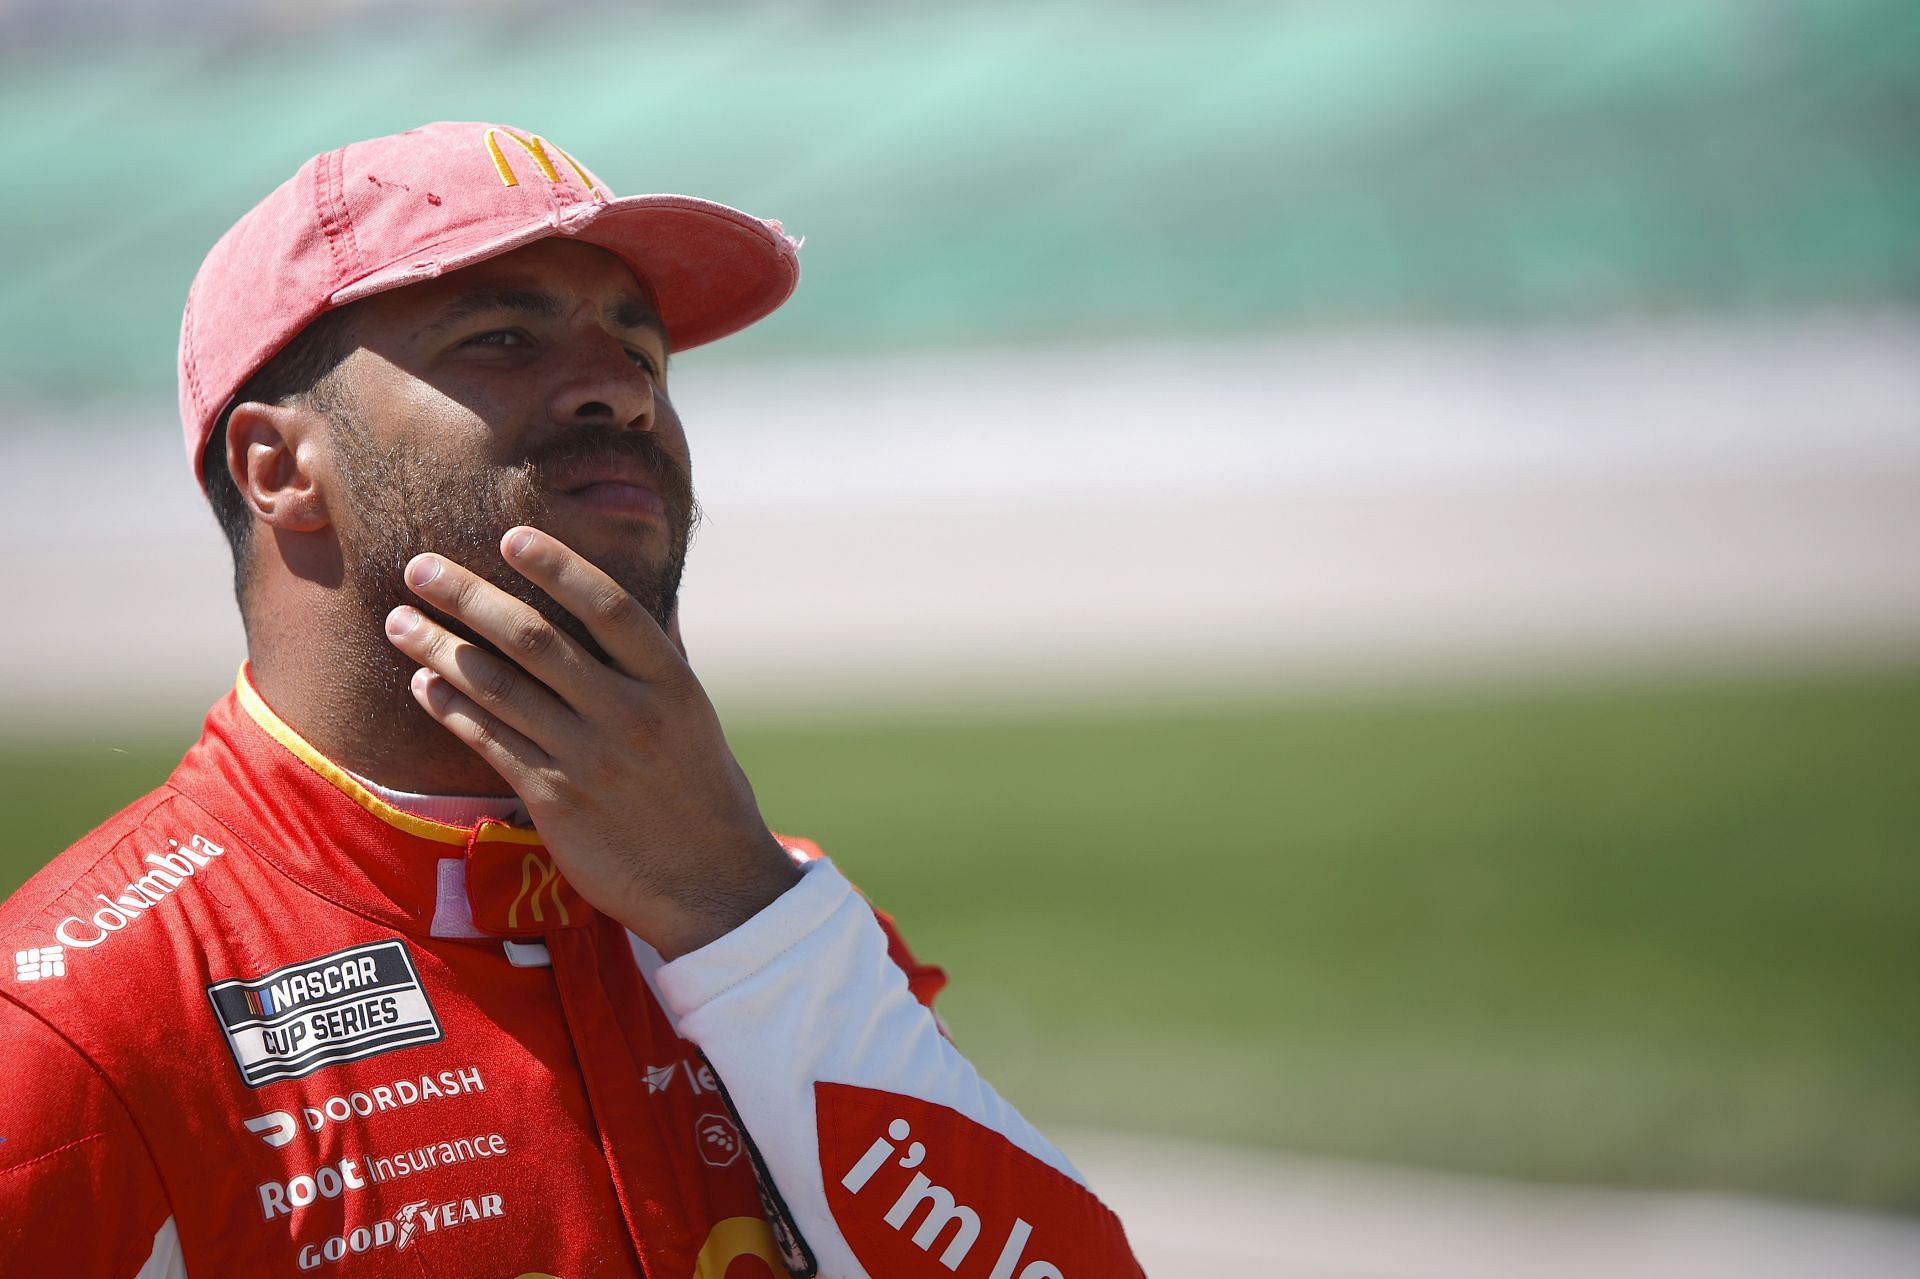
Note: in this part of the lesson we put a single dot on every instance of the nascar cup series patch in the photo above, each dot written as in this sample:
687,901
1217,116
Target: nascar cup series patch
355,1003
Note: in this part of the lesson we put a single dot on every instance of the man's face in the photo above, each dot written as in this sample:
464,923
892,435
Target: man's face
530,389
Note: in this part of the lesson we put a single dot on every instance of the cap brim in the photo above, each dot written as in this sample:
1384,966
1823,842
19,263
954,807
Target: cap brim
712,269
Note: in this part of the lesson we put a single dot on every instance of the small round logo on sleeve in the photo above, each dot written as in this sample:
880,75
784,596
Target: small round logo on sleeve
718,1140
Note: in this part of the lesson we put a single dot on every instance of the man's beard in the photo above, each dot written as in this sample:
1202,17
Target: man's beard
403,503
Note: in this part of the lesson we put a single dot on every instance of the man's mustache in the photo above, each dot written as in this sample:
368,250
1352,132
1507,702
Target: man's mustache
588,446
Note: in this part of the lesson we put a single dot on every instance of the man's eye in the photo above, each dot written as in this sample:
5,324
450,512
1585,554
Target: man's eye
497,337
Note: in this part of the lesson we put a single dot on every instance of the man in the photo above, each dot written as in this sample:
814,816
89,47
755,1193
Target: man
457,945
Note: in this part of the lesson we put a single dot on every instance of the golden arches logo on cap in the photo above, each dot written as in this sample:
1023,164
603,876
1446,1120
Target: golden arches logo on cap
537,147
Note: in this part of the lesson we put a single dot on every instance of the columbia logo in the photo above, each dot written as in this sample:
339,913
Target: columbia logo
38,963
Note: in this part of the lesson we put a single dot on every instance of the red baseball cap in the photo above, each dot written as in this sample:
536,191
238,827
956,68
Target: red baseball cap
392,211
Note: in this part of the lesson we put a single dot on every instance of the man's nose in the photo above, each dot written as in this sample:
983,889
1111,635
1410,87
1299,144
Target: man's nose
604,385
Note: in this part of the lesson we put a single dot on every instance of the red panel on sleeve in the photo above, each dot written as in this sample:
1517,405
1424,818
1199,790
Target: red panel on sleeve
919,1189
924,980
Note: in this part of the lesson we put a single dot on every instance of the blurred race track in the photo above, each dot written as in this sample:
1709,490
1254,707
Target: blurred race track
1002,526
1195,1212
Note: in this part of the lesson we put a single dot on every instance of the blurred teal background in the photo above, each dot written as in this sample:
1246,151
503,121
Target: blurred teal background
1347,567
998,173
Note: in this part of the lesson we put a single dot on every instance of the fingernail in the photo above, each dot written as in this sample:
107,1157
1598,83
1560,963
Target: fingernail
426,690
517,544
402,620
422,570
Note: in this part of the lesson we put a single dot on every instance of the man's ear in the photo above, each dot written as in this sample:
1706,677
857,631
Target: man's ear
275,453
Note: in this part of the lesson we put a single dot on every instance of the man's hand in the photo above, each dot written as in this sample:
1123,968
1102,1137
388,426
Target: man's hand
622,765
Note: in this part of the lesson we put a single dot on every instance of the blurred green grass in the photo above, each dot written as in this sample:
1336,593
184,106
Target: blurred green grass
1662,935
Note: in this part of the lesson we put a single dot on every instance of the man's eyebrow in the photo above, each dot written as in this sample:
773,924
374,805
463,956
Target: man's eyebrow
535,302
632,313
625,313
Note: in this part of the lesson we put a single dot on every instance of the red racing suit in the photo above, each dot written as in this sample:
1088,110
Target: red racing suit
264,1022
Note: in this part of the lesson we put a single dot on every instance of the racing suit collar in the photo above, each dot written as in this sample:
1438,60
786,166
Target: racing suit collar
318,824
455,810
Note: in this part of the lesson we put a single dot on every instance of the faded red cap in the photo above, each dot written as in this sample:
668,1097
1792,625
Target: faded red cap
392,211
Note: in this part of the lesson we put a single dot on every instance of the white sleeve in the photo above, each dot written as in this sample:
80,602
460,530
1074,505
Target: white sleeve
165,1262
845,1084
